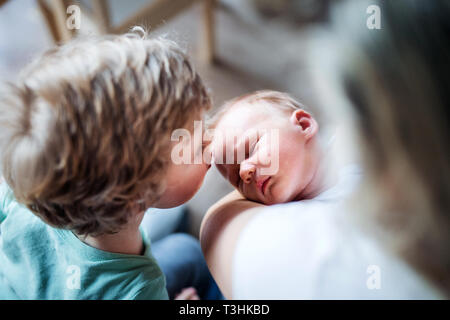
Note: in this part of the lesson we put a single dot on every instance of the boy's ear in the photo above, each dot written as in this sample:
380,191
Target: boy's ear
306,122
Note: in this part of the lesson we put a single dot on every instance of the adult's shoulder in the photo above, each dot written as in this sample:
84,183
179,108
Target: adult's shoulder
314,250
279,250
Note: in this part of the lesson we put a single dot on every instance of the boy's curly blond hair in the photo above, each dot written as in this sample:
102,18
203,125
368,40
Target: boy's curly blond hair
85,131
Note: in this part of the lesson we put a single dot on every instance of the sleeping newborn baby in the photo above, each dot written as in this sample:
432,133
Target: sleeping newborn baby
266,145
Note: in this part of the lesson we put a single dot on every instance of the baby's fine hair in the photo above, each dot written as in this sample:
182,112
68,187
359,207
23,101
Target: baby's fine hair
281,100
85,130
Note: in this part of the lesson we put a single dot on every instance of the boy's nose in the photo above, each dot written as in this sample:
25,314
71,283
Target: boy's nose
246,171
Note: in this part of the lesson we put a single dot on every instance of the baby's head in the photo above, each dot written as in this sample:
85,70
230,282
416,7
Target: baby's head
278,139
85,131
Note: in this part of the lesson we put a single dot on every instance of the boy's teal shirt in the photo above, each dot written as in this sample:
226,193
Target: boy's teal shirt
41,262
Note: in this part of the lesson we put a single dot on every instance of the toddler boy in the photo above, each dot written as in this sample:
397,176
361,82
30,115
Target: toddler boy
84,151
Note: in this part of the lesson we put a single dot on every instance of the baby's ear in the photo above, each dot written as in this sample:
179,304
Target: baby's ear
306,122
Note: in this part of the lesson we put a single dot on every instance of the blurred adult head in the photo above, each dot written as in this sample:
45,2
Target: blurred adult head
397,79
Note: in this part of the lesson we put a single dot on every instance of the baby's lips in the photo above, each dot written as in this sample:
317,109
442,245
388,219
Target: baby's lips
260,183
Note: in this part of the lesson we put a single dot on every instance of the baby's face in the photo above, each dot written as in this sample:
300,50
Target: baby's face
292,150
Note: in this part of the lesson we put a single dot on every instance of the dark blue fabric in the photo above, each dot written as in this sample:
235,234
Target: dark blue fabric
181,259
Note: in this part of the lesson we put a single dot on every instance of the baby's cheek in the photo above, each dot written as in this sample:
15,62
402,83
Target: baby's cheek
288,180
280,193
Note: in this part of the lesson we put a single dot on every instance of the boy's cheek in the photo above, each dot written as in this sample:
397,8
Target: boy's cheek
183,181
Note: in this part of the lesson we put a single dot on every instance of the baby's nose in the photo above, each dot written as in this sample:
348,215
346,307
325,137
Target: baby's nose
246,171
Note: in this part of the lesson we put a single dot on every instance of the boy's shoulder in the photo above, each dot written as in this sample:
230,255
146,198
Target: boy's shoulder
7,200
42,262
